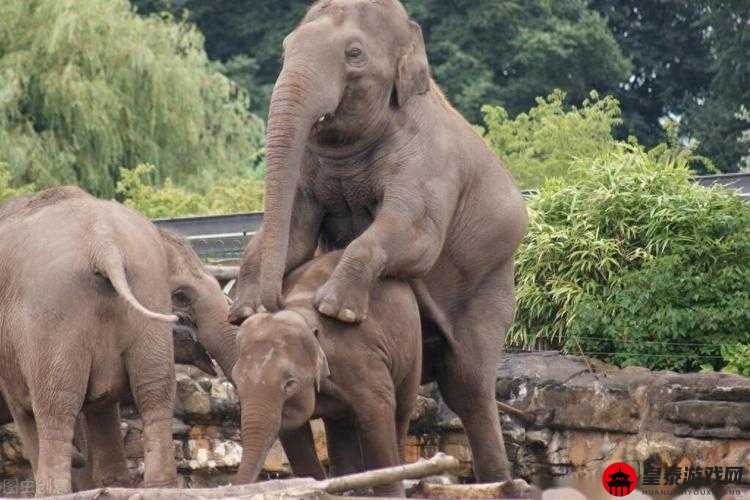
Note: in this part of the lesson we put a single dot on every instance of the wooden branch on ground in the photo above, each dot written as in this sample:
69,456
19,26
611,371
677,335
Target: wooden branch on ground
301,487
438,464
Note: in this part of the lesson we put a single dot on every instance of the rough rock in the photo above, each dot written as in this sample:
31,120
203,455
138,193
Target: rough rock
589,414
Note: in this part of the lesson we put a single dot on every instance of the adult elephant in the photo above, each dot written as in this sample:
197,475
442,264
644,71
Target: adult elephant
90,314
365,153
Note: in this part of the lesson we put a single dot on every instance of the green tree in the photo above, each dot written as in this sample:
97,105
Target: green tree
503,52
551,137
89,87
246,36
713,119
508,52
671,57
744,140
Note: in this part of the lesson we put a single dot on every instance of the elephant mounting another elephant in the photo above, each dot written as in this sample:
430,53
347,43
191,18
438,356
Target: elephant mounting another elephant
361,379
89,315
365,154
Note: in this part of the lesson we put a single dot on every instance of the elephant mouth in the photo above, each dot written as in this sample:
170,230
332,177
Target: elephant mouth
187,325
325,130
328,117
185,333
332,139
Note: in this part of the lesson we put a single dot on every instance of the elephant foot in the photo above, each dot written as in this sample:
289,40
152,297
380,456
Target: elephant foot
77,460
349,304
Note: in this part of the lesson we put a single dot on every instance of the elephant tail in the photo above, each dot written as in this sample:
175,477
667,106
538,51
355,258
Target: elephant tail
109,263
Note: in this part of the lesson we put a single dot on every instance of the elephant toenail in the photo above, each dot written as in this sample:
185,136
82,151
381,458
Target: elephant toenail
348,316
327,309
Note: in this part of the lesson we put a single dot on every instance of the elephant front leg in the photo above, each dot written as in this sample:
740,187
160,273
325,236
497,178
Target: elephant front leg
299,446
303,240
397,244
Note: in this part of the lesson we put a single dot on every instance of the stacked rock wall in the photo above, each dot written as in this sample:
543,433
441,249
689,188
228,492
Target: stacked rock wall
587,414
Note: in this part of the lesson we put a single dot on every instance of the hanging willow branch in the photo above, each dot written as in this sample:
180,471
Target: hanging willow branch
90,87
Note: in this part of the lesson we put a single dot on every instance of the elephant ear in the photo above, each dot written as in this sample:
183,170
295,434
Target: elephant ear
322,371
412,73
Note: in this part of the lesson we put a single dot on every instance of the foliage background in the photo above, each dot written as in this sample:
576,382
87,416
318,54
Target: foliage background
543,142
665,58
162,107
87,87
629,260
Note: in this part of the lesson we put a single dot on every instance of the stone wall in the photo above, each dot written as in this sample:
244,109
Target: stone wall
587,414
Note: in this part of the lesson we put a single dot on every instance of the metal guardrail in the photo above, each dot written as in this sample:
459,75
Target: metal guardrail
216,236
225,236
739,181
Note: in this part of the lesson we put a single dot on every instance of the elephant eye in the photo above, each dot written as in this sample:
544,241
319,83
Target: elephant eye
290,386
180,298
353,52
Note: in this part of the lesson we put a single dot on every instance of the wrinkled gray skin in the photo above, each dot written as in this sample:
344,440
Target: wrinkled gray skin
187,351
88,316
364,392
365,153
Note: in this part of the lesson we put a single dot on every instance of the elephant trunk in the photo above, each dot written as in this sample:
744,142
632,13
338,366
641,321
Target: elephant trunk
223,347
261,422
216,334
305,92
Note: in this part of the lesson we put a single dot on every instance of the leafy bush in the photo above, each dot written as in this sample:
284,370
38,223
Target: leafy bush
632,257
88,86
737,357
231,195
546,141
167,201
678,312
6,191
237,194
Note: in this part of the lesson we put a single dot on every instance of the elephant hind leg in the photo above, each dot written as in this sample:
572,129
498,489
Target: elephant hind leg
374,405
82,478
344,452
406,397
60,380
26,427
106,453
467,375
55,416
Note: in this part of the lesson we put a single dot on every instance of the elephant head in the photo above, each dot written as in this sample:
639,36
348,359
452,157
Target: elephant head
348,69
202,309
278,374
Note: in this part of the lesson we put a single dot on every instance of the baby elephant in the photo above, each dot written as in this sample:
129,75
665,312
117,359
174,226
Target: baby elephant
361,379
87,316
